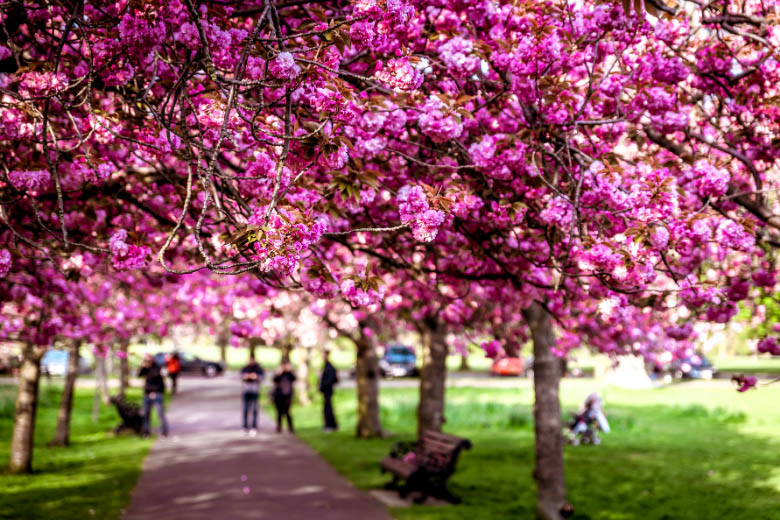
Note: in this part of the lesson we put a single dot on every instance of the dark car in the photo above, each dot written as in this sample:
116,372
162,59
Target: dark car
398,361
693,367
193,364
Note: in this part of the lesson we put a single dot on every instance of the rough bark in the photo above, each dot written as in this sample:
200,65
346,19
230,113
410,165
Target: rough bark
62,433
26,406
548,471
302,377
124,369
430,411
367,381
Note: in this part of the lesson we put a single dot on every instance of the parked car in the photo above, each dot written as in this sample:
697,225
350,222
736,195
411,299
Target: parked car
508,366
694,367
55,363
398,361
193,364
569,368
9,365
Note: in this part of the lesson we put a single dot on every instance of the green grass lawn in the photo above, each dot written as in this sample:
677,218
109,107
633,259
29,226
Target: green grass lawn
749,364
91,478
690,451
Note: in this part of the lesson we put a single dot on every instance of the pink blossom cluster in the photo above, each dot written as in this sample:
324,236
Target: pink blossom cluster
5,262
30,180
279,242
769,345
734,236
284,66
764,278
335,160
456,53
360,296
710,180
126,256
492,348
558,212
40,84
415,210
438,121
400,74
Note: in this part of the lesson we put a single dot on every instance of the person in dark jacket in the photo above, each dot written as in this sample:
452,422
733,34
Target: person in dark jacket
283,395
154,391
251,379
328,380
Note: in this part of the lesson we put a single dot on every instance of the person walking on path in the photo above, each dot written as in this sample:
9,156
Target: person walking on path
173,364
328,380
251,379
154,391
283,395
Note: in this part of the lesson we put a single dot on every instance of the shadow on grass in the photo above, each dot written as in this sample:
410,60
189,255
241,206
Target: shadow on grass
660,461
91,478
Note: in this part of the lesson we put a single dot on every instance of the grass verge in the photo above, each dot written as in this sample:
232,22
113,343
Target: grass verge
92,478
689,451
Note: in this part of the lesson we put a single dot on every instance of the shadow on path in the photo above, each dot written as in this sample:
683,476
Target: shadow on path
208,468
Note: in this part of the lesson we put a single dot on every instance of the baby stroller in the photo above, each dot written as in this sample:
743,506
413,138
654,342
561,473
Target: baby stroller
586,423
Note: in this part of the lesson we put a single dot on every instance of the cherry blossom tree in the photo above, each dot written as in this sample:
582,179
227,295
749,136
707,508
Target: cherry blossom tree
602,169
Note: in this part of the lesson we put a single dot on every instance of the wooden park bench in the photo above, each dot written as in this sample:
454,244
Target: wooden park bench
425,466
131,415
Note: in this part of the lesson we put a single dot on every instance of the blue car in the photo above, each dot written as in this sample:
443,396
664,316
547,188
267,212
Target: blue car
398,361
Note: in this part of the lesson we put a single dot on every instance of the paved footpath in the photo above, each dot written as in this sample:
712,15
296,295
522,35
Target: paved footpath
208,468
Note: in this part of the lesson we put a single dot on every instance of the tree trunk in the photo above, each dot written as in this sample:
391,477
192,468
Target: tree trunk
102,379
548,471
26,406
430,411
124,369
253,342
223,340
302,377
367,380
62,434
464,363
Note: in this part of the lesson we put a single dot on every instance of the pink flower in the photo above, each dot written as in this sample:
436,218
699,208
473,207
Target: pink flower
125,256
558,212
30,180
492,348
738,290
5,262
769,345
415,211
763,278
438,122
335,160
284,66
745,382
710,181
40,84
456,54
734,236
660,238
400,74
483,152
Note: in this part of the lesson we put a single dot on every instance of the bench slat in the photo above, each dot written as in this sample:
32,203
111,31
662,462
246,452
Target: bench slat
398,467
